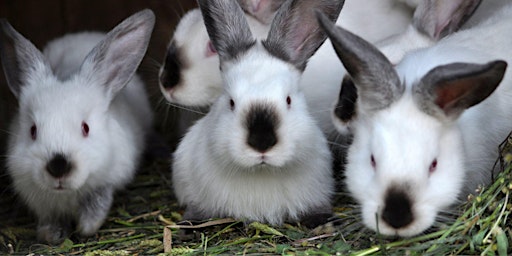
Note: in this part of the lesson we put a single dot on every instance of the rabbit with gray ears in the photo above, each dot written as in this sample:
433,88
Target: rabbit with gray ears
258,155
82,121
189,77
432,21
425,132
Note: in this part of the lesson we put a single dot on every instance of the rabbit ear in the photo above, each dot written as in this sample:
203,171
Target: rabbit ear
377,82
262,10
295,34
227,27
439,18
451,89
20,58
116,58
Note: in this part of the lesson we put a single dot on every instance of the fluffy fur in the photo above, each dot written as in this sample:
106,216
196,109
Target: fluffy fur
410,145
80,100
216,173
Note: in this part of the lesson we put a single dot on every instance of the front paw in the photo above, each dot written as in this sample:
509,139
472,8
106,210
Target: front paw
94,210
53,233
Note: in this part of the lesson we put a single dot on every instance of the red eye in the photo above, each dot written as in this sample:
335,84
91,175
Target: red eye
232,104
288,100
85,129
432,167
33,132
374,164
210,49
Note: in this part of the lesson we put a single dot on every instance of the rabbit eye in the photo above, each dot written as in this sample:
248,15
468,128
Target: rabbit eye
432,167
210,49
33,132
374,164
232,104
288,101
85,129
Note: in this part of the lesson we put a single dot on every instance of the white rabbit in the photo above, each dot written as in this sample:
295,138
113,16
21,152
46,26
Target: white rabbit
426,132
432,20
189,76
258,155
82,121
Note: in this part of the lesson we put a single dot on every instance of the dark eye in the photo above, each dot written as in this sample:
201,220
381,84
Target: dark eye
33,132
288,101
374,164
232,104
432,167
85,129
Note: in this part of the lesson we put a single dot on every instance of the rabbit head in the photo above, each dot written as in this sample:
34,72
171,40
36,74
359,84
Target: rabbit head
407,161
189,75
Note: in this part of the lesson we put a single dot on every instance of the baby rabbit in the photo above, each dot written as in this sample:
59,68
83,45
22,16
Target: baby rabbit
83,116
258,155
426,131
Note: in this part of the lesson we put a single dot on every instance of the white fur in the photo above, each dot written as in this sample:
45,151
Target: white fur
201,83
57,105
217,173
405,140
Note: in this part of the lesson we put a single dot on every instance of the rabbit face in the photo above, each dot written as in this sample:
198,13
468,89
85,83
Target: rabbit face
404,171
64,149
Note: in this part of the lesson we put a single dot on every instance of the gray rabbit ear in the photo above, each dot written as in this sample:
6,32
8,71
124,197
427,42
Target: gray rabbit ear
377,82
446,91
19,57
439,18
227,27
116,58
295,34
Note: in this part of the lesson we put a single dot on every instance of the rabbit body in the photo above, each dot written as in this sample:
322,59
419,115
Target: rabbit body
258,155
81,126
416,149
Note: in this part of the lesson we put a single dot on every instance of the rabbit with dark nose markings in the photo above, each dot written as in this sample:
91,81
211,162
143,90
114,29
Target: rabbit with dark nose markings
82,122
258,155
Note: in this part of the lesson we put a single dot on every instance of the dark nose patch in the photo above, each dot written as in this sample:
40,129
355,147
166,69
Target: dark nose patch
345,108
397,209
171,73
262,122
58,166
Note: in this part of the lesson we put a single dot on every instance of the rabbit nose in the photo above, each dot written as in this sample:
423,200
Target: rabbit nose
261,123
170,76
397,210
58,166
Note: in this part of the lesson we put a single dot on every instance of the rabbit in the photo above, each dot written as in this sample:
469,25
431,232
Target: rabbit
189,77
82,121
258,155
426,131
432,21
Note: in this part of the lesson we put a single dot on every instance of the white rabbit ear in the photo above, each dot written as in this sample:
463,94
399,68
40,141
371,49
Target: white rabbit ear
439,18
295,34
451,89
116,58
262,10
375,78
20,58
227,27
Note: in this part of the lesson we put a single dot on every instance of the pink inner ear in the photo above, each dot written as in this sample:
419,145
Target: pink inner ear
448,95
210,49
